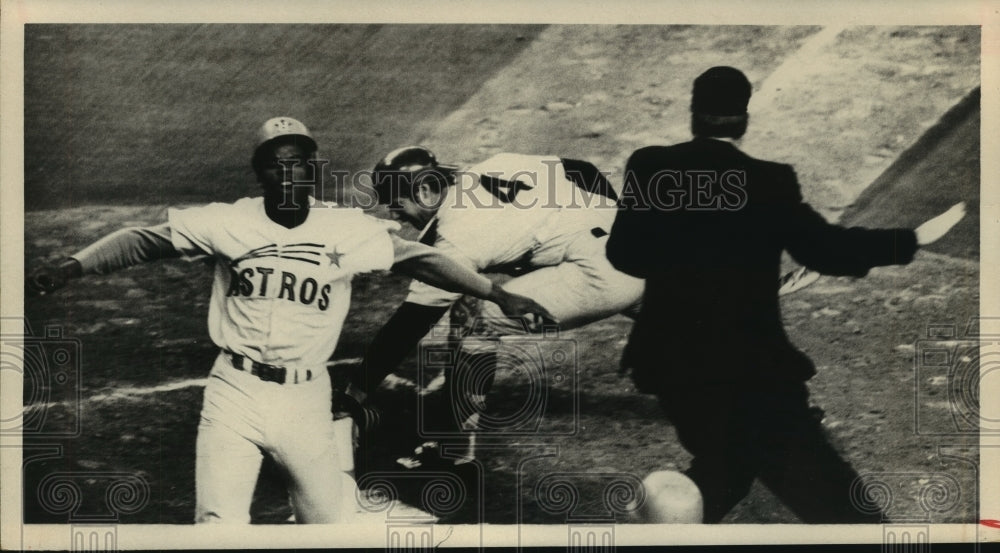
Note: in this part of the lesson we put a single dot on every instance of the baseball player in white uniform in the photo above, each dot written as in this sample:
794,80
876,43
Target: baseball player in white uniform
544,219
281,291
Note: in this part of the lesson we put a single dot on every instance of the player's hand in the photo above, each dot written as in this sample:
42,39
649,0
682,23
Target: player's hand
48,278
517,306
935,228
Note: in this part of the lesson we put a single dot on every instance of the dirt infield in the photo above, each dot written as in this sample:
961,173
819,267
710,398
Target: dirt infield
168,122
940,169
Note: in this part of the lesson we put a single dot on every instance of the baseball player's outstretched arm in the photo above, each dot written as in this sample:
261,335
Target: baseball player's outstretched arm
118,250
411,321
430,265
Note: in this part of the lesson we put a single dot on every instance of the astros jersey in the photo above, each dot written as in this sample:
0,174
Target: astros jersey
280,295
503,209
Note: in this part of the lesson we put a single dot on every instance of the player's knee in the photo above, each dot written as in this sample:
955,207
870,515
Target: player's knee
318,509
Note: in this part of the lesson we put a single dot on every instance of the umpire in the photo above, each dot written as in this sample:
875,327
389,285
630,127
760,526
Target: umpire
705,225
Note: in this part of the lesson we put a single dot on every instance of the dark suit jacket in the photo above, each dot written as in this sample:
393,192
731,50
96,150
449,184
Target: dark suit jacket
705,225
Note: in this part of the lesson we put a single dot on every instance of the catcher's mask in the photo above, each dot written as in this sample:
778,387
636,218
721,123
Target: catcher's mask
400,171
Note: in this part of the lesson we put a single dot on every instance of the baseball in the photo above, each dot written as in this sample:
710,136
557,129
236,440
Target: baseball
671,498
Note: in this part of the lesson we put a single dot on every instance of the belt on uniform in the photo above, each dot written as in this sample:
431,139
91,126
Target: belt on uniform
268,373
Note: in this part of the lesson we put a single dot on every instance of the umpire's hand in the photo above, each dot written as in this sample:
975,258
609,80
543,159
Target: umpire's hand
935,228
49,278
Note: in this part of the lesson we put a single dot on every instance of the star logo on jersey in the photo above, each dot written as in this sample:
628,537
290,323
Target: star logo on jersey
335,257
306,252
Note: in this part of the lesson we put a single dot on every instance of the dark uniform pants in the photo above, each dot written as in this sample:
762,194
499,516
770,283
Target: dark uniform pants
763,429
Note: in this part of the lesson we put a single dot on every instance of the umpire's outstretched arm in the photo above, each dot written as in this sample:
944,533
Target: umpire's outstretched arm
835,250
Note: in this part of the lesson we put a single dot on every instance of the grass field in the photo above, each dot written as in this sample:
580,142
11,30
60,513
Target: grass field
122,121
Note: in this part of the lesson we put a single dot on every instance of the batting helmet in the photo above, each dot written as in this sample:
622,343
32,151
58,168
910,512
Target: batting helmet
400,170
279,127
283,126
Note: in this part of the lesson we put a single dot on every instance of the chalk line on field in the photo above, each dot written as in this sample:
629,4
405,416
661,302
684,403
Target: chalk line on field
136,393
130,393
793,67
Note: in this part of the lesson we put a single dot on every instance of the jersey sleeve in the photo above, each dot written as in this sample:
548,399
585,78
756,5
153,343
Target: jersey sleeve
430,296
125,248
372,250
193,230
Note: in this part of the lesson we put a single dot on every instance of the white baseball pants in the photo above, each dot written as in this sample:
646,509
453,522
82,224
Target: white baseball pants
242,418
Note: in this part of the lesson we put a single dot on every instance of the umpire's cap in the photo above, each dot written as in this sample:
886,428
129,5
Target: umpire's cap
401,169
721,91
